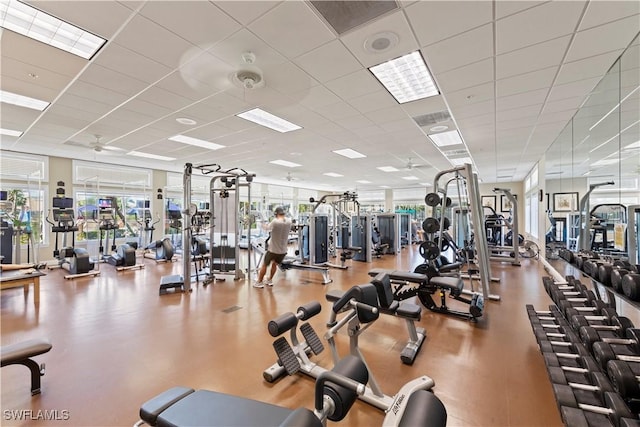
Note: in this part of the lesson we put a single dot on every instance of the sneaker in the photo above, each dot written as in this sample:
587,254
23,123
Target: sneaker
259,285
269,282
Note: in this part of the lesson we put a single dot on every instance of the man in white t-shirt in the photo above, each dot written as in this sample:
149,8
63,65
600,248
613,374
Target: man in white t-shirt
278,243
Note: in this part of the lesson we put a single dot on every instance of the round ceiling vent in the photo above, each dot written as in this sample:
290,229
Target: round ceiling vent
381,42
439,128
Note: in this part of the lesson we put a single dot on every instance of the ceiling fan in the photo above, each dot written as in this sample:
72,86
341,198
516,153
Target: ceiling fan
97,146
290,177
411,165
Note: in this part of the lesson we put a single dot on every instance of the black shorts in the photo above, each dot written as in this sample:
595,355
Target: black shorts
270,256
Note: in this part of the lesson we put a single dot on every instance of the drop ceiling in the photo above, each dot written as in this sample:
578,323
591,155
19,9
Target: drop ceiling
510,74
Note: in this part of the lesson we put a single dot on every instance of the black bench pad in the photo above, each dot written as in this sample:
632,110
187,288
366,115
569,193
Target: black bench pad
405,310
209,408
13,353
423,408
401,275
451,283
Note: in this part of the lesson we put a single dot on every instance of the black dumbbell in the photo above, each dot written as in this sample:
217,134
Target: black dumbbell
631,286
563,348
625,377
551,332
613,333
616,278
610,405
571,361
604,318
581,379
628,350
606,271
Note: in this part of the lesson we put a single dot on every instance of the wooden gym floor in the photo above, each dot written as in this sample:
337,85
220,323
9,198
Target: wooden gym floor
116,343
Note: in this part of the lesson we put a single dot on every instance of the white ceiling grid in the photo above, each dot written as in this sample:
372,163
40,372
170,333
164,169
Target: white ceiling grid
511,73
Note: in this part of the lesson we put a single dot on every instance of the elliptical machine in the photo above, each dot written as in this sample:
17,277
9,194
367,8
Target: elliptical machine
75,260
158,250
123,256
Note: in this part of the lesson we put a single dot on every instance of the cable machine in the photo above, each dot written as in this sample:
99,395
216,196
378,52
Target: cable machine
474,208
584,239
224,255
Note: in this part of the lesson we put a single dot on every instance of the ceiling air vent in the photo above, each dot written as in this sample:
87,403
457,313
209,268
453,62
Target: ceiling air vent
454,153
346,15
432,119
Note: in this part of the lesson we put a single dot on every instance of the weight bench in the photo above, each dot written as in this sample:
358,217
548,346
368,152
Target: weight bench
181,406
290,263
429,286
21,354
411,313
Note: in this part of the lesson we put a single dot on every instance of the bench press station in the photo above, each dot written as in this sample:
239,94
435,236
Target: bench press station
409,284
21,353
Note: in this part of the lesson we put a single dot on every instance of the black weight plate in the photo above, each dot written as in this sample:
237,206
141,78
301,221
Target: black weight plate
428,250
432,199
431,225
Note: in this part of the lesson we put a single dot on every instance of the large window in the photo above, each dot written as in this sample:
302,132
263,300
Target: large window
531,203
128,190
24,178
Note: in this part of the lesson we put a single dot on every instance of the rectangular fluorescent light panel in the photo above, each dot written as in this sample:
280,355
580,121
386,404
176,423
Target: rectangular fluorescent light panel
363,181
387,169
460,161
406,78
33,23
196,142
446,138
150,156
348,152
410,178
333,174
285,163
265,119
22,101
10,132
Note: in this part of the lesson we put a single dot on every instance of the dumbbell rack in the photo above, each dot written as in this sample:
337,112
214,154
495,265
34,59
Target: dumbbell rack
592,356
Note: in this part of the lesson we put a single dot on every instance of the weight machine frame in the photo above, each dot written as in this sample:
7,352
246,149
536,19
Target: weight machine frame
477,217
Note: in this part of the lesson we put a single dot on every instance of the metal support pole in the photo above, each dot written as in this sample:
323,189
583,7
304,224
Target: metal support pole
186,228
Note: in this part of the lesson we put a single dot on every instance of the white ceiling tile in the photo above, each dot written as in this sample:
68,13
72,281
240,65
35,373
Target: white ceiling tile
110,81
152,41
246,11
152,110
164,98
354,85
385,115
317,96
433,21
472,110
373,101
531,111
395,22
470,95
328,62
355,122
175,83
465,77
120,59
288,78
425,106
531,58
526,82
28,88
19,70
483,119
399,125
515,124
605,38
460,50
509,7
93,109
522,99
368,131
563,105
594,66
42,56
541,23
102,18
602,12
192,20
557,117
337,111
292,29
574,89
